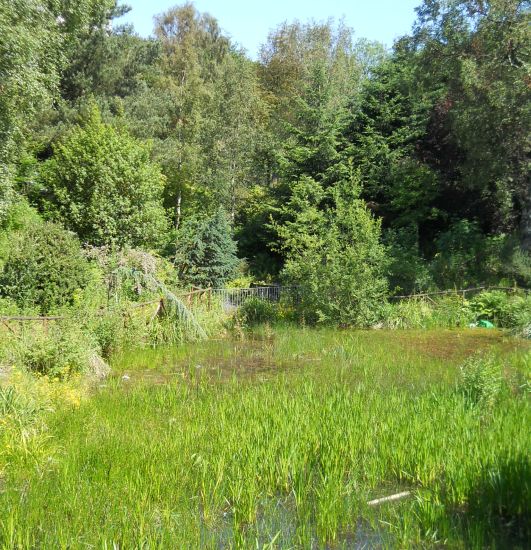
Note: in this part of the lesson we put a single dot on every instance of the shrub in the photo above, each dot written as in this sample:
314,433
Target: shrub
466,257
206,252
255,311
507,311
481,379
62,351
109,332
334,256
44,268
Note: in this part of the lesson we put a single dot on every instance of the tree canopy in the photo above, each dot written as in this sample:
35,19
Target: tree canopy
329,160
101,184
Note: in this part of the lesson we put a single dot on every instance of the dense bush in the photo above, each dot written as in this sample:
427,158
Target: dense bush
505,310
512,311
62,351
44,268
101,183
334,257
255,311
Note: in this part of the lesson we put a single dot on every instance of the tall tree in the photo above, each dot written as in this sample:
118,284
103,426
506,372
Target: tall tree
101,184
477,53
193,48
309,73
232,132
30,59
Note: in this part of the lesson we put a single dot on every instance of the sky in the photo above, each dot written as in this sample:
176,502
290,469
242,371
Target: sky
248,22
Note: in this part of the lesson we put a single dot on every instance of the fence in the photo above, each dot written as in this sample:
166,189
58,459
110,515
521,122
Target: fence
232,298
461,292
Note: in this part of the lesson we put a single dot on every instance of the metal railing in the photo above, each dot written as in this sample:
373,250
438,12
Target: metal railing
235,297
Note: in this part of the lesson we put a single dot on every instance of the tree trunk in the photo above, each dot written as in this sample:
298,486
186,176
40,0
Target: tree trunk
526,221
178,210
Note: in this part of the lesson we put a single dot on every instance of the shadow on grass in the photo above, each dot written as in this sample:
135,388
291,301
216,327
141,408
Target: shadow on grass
499,505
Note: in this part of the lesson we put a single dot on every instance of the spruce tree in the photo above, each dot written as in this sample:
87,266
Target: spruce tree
206,252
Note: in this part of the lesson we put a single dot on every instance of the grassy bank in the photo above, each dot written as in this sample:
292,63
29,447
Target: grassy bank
280,440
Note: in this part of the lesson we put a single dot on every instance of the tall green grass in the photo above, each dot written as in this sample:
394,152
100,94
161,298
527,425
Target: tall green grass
280,440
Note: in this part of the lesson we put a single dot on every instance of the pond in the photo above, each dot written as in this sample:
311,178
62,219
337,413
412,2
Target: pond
279,440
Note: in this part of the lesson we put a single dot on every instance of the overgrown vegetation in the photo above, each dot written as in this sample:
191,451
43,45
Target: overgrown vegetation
44,268
101,183
343,175
285,439
329,163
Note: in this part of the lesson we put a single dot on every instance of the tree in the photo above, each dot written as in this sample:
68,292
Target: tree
30,58
38,41
44,267
232,133
206,252
308,73
384,132
101,184
334,255
193,48
477,54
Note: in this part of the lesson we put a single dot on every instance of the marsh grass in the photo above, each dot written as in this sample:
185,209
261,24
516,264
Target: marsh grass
279,441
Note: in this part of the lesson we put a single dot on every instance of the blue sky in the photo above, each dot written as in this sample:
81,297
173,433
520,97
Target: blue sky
248,22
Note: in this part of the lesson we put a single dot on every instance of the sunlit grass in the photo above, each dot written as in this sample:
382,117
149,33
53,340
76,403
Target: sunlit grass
281,440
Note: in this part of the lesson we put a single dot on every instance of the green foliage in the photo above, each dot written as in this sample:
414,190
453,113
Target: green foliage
101,184
205,251
334,256
30,59
503,309
44,268
255,311
18,406
59,352
408,271
466,257
443,312
330,419
274,143
475,53
481,379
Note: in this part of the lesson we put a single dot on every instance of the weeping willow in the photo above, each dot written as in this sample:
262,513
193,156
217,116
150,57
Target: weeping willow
174,307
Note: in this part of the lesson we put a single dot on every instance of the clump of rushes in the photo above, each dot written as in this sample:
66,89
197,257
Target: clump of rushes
481,379
284,440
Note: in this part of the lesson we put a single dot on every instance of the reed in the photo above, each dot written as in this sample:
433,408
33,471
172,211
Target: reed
279,441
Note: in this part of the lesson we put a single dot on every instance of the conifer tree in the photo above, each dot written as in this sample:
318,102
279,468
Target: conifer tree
206,252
